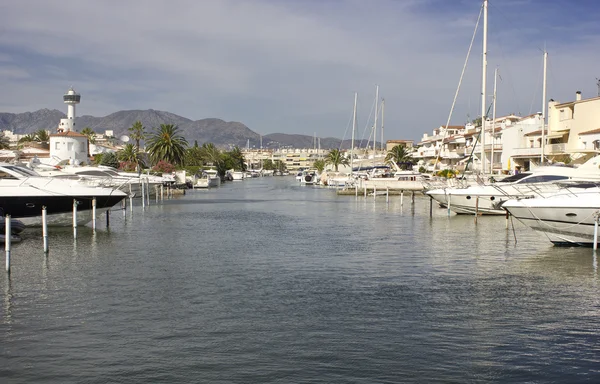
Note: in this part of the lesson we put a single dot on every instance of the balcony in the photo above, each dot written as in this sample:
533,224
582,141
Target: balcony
527,151
556,148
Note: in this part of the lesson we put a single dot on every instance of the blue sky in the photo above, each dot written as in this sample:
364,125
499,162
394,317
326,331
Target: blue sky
293,66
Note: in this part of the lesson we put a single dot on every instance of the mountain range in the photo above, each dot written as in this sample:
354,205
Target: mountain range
224,134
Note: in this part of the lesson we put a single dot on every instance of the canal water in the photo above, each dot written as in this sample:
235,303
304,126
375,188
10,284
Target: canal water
266,281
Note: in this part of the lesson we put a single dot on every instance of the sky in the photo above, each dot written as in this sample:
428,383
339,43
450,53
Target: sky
293,66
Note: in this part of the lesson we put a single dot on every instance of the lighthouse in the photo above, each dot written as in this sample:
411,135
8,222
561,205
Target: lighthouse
71,98
67,144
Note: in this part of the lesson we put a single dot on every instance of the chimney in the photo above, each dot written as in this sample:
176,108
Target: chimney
577,95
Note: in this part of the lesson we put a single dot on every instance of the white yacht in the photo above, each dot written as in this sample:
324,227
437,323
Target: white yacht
488,198
566,218
23,193
208,179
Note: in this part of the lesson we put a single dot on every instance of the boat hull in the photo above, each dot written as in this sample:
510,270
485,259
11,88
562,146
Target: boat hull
566,222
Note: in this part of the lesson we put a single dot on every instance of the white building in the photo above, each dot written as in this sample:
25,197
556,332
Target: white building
67,144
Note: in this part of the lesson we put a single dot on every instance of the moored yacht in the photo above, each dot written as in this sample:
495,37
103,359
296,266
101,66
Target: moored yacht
23,193
566,218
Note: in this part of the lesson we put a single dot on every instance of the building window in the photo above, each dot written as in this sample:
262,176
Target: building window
69,146
56,145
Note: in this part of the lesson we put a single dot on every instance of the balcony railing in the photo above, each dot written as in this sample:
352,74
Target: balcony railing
556,148
527,151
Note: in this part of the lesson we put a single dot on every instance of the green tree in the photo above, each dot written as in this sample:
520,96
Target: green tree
400,156
166,144
91,137
238,158
42,136
336,158
129,154
193,156
210,154
110,159
268,164
137,132
280,166
319,165
25,139
4,141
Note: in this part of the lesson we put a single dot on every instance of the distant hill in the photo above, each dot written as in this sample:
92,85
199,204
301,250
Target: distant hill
221,133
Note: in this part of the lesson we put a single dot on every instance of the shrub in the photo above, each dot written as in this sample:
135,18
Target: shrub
164,167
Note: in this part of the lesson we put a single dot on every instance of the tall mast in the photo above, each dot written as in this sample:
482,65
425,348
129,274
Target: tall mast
382,108
375,124
483,83
493,122
353,130
543,143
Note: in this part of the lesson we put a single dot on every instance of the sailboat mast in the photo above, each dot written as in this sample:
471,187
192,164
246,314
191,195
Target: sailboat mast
353,130
483,83
375,123
382,108
493,122
543,144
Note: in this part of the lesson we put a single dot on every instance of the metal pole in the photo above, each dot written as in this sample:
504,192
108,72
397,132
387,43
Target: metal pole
430,206
483,83
595,233
45,229
7,234
94,213
74,218
543,144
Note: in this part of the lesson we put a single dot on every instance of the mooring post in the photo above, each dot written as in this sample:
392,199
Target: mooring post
413,197
430,206
449,202
108,218
7,240
402,198
596,232
387,195
94,213
156,194
74,218
506,219
476,208
148,191
131,204
356,190
162,192
45,229
143,194
374,192
124,207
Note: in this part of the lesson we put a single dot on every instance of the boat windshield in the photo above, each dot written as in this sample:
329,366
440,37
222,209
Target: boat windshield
513,178
20,171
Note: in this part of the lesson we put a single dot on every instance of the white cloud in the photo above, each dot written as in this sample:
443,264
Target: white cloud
277,66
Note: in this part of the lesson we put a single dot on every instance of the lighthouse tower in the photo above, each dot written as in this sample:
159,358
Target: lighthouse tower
67,144
71,98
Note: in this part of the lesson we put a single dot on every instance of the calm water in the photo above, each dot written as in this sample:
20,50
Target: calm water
265,281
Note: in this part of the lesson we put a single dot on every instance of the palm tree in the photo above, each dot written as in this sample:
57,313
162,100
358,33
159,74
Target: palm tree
166,144
210,154
336,158
25,139
238,158
129,154
91,137
137,132
319,165
4,141
42,136
399,155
